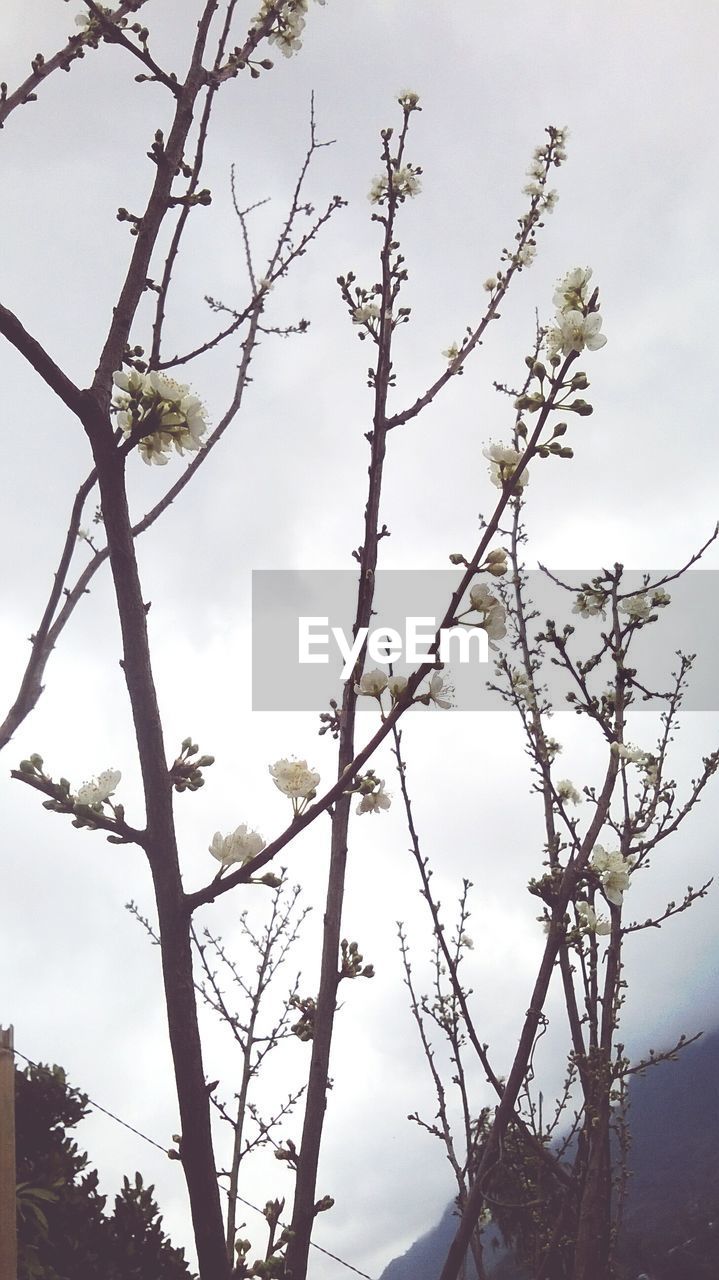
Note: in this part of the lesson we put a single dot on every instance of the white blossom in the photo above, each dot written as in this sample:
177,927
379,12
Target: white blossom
636,607
590,919
494,616
408,98
522,688
503,462
239,846
288,26
644,760
572,292
439,691
574,331
451,352
295,779
490,284
100,789
613,871
375,800
590,603
372,684
496,563
367,311
567,792
526,255
406,182
167,412
396,686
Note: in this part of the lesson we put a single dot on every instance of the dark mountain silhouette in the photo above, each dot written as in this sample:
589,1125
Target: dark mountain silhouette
671,1226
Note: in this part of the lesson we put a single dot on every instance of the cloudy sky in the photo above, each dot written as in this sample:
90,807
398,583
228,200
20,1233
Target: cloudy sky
636,85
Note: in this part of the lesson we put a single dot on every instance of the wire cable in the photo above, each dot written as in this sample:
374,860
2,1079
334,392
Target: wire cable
166,1150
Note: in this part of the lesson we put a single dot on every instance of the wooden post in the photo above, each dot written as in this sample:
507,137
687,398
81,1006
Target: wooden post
8,1212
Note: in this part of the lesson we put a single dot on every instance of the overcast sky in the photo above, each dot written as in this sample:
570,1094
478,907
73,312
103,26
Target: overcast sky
636,85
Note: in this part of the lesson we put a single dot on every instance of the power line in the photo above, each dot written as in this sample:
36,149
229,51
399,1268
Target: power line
138,1132
104,1110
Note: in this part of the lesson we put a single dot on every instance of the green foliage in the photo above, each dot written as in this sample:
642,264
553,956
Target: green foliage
63,1230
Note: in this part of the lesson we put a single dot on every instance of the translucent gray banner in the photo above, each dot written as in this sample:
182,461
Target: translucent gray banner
302,622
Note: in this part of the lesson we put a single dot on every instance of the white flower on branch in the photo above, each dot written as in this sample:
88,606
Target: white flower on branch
373,801
496,563
289,24
408,99
636,607
368,311
406,182
567,792
590,603
439,692
613,871
572,292
295,779
644,760
525,256
396,686
575,331
493,614
372,684
591,921
522,688
240,846
95,793
167,412
503,462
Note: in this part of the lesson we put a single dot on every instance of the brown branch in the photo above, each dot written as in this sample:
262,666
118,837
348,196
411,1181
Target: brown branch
113,34
42,363
64,58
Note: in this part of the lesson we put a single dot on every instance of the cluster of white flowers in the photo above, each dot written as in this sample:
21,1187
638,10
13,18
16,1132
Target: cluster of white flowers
590,603
644,760
613,871
567,792
638,607
406,182
503,462
522,688
375,799
240,846
575,326
167,411
289,24
373,684
95,793
591,921
367,311
526,255
493,612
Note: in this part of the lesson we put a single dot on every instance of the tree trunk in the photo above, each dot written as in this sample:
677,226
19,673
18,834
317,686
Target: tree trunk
161,849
